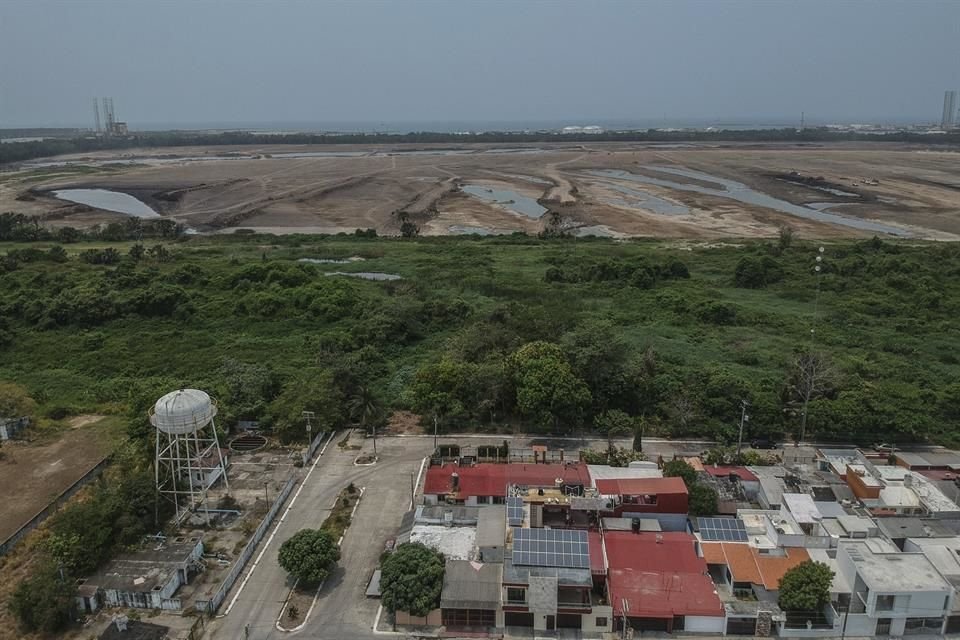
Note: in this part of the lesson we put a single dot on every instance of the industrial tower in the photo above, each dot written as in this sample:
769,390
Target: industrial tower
949,119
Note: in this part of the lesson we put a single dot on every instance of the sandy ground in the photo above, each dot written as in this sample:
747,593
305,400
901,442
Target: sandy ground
38,473
914,189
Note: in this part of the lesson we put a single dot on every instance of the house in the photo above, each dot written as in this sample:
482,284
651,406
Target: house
486,483
145,579
470,598
750,571
748,481
548,582
645,495
893,593
658,582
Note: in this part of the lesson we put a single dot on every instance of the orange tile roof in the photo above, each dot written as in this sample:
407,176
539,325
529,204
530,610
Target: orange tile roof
747,564
713,553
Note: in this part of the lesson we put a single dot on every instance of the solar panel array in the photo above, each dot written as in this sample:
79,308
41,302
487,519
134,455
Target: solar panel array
722,529
515,511
551,548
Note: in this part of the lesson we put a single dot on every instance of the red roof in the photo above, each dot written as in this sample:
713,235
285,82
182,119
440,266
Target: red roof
659,575
641,486
492,479
743,473
595,542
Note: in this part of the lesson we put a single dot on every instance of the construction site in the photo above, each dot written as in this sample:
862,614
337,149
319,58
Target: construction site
689,190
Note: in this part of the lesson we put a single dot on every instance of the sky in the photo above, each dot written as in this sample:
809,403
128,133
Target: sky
180,62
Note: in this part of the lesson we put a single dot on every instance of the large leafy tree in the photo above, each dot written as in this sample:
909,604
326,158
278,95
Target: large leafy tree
806,587
315,392
411,579
680,469
545,385
15,401
44,601
309,555
703,500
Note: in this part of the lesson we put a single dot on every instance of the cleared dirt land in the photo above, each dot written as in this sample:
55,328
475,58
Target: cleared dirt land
36,473
682,191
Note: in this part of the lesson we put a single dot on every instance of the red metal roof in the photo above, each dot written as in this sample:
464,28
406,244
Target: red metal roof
641,486
743,473
597,564
492,479
659,575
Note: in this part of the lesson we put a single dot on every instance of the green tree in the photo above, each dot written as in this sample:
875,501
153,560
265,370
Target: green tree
614,423
366,408
315,392
680,469
309,555
137,252
703,500
785,237
805,587
44,602
411,579
546,387
15,401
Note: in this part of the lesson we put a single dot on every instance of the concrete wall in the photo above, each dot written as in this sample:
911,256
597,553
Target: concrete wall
590,620
432,619
704,624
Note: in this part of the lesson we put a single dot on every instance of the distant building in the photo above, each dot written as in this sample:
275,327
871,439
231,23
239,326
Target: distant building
949,118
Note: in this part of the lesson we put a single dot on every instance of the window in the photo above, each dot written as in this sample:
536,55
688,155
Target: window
885,603
601,622
516,595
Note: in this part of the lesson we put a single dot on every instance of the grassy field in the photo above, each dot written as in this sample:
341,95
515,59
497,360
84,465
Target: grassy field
269,336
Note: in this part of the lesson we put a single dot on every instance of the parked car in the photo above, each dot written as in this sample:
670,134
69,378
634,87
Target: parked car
764,443
885,448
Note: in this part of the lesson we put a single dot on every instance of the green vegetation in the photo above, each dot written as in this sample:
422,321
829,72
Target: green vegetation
478,334
806,587
44,602
309,555
411,579
702,497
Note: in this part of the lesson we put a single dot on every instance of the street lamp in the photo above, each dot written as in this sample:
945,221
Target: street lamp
743,418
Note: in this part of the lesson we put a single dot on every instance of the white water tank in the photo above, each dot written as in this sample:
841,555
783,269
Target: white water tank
183,411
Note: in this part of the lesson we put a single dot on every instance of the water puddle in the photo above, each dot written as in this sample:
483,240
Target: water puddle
108,201
511,200
640,199
330,260
740,192
366,275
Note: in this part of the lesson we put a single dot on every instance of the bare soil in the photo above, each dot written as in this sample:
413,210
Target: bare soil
911,186
37,473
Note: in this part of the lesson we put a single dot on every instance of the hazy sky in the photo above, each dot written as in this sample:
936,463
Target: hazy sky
195,61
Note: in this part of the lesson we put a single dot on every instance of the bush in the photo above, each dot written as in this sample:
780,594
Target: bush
411,579
44,602
309,555
805,587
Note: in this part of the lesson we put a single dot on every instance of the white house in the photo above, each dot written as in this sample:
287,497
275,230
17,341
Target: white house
893,593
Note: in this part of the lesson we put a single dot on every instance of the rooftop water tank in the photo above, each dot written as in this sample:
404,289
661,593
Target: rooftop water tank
183,411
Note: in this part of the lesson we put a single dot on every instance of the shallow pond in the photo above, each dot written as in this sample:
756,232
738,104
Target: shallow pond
740,192
366,275
642,199
512,200
108,201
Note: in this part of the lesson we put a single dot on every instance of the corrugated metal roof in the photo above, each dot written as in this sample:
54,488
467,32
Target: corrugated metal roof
470,585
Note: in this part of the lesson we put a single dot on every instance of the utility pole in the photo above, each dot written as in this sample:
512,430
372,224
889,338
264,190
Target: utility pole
813,331
265,496
435,431
412,490
743,418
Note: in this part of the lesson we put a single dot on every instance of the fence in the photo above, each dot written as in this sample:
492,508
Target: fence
51,508
196,629
210,606
312,449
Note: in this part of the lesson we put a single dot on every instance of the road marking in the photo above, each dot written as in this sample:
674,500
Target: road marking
279,522
417,486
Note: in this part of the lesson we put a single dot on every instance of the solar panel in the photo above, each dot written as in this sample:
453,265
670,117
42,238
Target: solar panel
515,511
722,529
551,548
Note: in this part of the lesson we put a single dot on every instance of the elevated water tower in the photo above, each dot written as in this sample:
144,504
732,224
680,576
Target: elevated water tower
189,460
